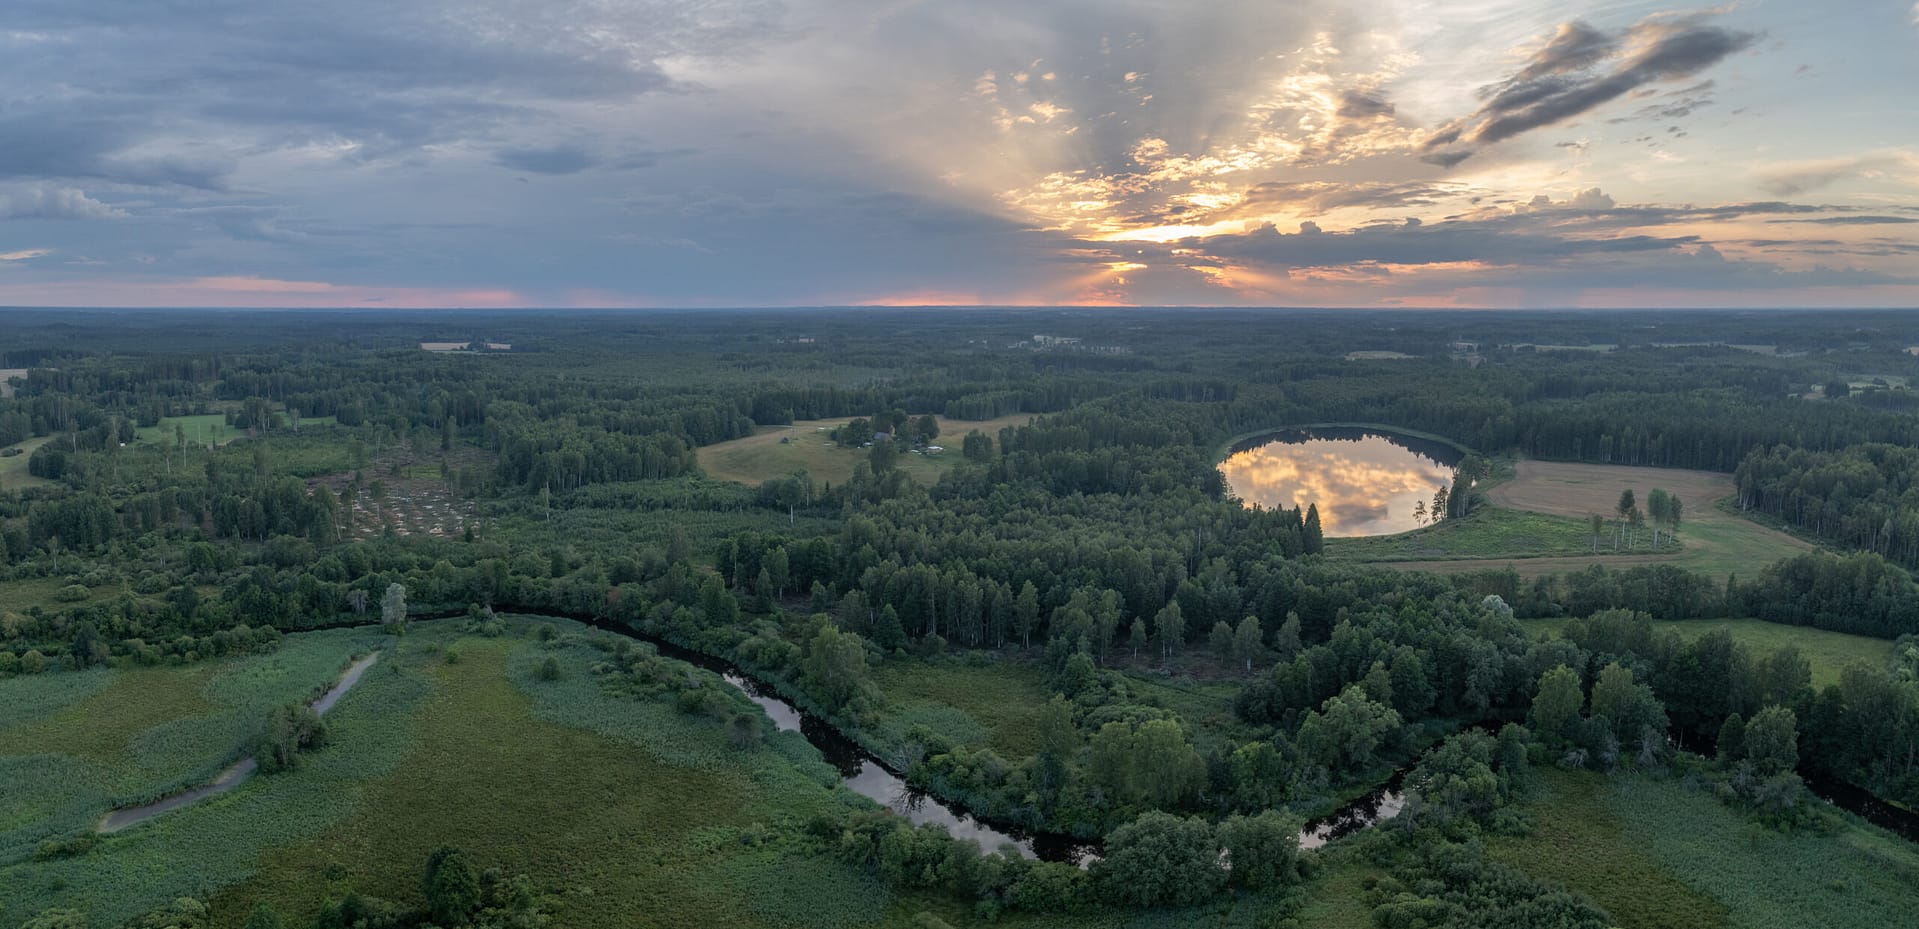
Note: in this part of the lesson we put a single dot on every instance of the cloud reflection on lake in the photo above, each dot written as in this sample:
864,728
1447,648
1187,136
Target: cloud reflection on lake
1365,483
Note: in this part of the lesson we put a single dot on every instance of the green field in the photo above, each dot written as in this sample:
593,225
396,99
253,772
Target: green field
992,705
1659,855
614,806
1578,842
39,591
13,469
1829,652
75,745
763,456
1714,539
1490,532
200,429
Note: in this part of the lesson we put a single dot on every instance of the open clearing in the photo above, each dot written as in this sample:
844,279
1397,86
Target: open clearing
1492,532
1828,652
13,468
6,379
200,429
762,456
1659,855
1713,541
651,813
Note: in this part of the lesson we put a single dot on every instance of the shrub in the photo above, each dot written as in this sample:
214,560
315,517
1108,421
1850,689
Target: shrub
1161,859
51,849
290,730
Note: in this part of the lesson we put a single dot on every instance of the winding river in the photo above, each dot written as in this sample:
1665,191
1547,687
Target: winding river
867,776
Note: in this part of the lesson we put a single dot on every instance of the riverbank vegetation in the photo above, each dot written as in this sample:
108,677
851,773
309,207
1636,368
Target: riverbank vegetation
1063,623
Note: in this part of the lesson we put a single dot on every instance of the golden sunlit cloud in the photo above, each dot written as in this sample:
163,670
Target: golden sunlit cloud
1365,486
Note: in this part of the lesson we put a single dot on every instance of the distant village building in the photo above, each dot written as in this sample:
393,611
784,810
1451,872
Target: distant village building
445,346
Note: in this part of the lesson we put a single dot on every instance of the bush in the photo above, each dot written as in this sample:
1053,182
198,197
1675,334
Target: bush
72,593
289,730
51,849
1160,859
550,668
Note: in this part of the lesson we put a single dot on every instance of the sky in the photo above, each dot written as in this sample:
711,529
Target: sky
692,153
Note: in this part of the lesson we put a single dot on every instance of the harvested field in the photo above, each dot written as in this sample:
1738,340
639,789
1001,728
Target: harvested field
1714,541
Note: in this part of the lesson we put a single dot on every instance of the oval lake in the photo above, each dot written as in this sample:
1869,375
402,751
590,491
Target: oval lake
1364,481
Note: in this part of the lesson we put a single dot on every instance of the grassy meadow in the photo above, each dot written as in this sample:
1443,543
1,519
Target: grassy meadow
13,468
1659,855
618,809
1828,652
75,745
762,456
1713,540
1491,532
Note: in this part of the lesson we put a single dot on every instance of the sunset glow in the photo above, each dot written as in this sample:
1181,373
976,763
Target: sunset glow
791,153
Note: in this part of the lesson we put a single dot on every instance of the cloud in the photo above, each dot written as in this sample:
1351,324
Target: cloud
1416,244
1322,196
25,254
43,201
169,93
1853,220
998,150
74,143
1581,68
564,159
1786,180
1355,104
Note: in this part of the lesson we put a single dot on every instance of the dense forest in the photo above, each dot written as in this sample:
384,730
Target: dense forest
1195,677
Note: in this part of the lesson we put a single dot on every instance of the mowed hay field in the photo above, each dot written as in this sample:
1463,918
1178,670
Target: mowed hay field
761,457
1712,541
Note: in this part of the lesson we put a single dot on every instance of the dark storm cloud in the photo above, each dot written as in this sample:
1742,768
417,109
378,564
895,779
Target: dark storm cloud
1580,69
80,145
1355,104
1575,46
563,159
373,78
1446,159
1417,244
